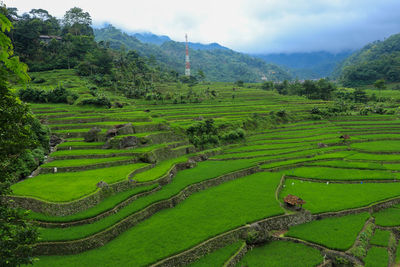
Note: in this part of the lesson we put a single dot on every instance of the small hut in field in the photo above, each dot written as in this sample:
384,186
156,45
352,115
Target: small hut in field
345,137
293,201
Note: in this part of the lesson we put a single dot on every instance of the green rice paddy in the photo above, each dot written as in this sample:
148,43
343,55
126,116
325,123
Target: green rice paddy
335,233
329,174
281,254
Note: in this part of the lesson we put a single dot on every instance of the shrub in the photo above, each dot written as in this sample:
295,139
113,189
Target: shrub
101,101
40,80
57,95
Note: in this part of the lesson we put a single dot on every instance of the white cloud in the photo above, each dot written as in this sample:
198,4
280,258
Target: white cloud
245,25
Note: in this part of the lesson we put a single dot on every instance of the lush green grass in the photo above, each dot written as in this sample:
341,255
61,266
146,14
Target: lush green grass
349,164
280,253
83,162
201,216
107,204
322,197
261,153
159,170
81,130
218,257
335,233
374,157
378,146
63,187
398,253
388,217
84,152
244,148
327,173
204,170
380,238
80,144
377,257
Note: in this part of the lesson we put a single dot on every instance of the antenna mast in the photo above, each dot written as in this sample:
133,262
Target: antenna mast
187,67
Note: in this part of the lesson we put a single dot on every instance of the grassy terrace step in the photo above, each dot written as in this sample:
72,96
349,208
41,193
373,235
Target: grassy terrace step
93,153
82,153
259,153
377,136
350,164
202,216
159,170
81,130
281,253
336,197
297,135
306,160
380,238
218,257
248,148
204,171
297,139
388,217
374,157
79,145
378,146
377,257
279,154
327,173
82,162
98,118
104,124
313,153
105,205
63,187
336,233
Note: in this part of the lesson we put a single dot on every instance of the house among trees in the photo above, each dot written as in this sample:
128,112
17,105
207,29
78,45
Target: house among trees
48,38
293,201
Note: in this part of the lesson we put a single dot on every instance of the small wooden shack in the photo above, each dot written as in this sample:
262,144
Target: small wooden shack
345,137
293,201
48,38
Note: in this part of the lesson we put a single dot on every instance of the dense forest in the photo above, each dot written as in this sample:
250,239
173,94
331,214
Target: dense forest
217,64
377,60
44,42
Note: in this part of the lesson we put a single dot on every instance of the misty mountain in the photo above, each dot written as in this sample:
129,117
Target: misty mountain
376,60
148,37
218,64
312,65
152,38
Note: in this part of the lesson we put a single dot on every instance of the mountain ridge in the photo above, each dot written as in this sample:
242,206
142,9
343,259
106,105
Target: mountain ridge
223,65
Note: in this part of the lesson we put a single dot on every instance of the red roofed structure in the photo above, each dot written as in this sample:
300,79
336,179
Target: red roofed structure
293,201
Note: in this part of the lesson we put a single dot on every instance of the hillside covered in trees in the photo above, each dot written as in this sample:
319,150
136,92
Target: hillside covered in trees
217,64
377,60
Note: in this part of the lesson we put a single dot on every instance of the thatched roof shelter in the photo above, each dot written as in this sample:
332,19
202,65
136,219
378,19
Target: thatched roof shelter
293,200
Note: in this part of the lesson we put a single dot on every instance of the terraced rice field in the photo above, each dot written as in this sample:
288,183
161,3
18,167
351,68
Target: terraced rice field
162,202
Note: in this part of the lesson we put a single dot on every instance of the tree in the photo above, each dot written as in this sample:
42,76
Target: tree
201,75
380,84
360,96
16,134
77,22
239,83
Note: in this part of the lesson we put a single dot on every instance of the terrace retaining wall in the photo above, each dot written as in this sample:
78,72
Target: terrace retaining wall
99,239
230,237
69,208
232,261
267,225
88,167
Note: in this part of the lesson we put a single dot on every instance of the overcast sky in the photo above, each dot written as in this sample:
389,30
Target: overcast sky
252,26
